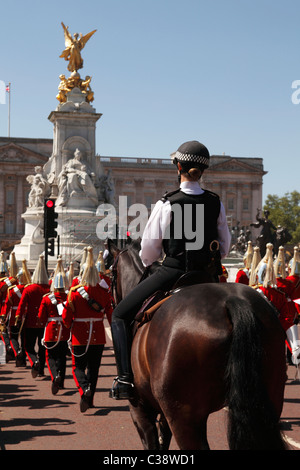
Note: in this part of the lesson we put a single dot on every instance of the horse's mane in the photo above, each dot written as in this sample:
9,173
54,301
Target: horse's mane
134,249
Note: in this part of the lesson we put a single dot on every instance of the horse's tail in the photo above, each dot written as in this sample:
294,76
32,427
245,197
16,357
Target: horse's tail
252,420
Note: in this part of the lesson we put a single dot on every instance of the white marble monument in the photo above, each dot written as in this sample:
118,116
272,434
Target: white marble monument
73,176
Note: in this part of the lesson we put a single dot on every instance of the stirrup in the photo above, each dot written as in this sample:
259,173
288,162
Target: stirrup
118,394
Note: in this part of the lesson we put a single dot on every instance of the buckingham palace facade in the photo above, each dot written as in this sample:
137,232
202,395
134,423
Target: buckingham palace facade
237,180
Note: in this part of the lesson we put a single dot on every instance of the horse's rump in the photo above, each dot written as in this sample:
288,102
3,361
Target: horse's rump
187,352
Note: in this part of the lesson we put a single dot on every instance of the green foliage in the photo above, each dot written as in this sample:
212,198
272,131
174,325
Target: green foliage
285,211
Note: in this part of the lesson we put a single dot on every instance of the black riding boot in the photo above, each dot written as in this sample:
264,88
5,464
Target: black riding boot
122,388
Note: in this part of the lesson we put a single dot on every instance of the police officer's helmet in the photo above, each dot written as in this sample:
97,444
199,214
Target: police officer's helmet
192,154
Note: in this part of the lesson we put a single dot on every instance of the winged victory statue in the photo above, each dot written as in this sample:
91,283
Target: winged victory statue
73,46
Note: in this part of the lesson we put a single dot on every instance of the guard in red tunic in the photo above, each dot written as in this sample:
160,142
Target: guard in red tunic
286,308
84,313
243,274
56,335
13,297
9,279
27,314
224,276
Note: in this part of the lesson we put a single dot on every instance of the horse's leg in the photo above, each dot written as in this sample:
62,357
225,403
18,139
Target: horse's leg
144,419
164,433
190,435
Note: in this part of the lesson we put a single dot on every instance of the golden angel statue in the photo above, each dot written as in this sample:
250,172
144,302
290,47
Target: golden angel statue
73,48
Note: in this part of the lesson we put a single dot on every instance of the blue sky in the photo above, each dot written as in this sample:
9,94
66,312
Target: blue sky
164,72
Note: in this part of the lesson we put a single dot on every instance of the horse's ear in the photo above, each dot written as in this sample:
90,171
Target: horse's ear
112,248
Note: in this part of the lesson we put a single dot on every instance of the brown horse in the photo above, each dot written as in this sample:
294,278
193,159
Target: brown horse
207,346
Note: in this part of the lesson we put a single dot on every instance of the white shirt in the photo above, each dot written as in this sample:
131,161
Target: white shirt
160,218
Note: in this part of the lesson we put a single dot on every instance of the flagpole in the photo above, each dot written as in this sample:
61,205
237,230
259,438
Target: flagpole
9,90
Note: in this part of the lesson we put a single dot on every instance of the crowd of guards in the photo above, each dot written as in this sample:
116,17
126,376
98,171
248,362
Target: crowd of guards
278,279
43,321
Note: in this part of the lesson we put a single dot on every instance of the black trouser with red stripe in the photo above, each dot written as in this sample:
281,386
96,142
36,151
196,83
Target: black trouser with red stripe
31,336
56,359
86,365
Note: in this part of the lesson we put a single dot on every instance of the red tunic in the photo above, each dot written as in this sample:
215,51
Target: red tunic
30,303
11,303
5,283
50,318
87,327
286,308
242,276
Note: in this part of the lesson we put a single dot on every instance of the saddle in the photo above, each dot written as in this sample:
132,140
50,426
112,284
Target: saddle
152,304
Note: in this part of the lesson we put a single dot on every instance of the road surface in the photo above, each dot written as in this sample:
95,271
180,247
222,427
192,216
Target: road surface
31,418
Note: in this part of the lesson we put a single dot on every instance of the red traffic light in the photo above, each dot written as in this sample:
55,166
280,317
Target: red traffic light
49,203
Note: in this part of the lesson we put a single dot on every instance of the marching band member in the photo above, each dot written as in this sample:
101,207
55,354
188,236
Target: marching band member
13,297
84,313
27,312
56,334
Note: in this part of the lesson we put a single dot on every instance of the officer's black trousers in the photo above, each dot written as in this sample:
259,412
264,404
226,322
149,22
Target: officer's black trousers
162,279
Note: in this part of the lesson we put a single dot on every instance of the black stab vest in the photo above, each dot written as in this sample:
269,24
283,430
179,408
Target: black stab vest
175,248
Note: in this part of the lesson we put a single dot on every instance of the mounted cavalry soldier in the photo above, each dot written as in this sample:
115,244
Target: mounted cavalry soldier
196,240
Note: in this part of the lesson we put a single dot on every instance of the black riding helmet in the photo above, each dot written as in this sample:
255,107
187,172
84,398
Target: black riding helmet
192,154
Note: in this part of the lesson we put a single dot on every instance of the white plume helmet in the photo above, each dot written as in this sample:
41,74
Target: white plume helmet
100,265
40,275
13,268
248,255
279,265
83,261
70,273
60,280
3,263
23,274
270,278
253,270
295,262
90,276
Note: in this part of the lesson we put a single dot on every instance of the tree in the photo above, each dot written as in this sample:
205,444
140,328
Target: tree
285,211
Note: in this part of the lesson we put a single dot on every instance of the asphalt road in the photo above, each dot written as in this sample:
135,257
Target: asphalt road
31,418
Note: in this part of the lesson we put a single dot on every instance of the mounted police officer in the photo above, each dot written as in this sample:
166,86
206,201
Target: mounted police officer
189,225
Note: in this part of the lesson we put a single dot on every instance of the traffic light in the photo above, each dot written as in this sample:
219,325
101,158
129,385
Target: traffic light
50,246
50,216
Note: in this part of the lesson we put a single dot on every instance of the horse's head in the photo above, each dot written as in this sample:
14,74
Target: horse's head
127,268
